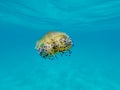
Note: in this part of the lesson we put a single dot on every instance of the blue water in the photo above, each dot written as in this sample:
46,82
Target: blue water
93,25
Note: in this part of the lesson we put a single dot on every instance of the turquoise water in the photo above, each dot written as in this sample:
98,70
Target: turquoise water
94,26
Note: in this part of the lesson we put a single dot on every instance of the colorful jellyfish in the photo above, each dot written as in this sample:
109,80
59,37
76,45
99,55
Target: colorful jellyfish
54,43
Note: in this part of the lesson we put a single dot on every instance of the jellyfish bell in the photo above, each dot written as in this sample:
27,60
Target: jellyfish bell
53,43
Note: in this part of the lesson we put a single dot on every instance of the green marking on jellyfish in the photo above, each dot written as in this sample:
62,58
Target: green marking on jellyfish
42,45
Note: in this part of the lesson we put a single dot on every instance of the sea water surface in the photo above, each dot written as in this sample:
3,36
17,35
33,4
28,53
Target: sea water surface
93,25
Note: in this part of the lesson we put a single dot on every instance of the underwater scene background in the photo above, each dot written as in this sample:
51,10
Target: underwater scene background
93,25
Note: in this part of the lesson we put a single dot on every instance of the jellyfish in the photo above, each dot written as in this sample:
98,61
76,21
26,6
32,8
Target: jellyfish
54,43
